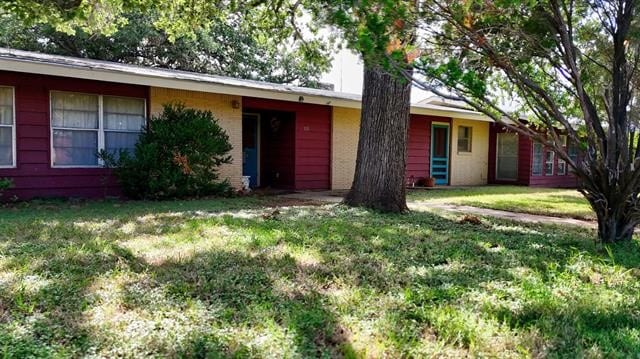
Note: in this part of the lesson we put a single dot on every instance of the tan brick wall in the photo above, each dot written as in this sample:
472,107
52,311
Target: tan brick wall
469,169
344,146
229,118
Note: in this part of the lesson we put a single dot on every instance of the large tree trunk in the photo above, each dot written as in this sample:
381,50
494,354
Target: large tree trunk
379,181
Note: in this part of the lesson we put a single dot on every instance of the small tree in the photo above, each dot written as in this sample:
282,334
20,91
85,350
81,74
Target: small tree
177,155
571,66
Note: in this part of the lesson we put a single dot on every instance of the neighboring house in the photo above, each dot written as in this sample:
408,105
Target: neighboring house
516,159
57,112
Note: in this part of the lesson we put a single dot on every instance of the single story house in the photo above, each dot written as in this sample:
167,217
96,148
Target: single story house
57,112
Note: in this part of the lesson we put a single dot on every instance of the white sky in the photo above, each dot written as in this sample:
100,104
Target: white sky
346,75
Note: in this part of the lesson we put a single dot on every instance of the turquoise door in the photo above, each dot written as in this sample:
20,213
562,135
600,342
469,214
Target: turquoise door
440,154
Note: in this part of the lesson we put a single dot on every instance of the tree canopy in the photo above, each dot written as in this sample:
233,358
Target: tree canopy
234,42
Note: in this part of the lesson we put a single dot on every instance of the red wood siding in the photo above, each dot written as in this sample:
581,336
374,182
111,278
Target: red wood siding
525,164
33,176
312,154
525,159
419,145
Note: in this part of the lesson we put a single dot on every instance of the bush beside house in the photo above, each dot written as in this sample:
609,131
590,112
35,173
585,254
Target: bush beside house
5,184
177,156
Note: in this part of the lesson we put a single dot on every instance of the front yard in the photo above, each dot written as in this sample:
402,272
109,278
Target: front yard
543,201
235,277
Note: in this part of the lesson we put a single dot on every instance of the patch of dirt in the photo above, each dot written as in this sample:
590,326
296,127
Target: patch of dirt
470,219
337,342
289,202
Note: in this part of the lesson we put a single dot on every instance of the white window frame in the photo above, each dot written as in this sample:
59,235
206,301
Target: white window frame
564,167
13,126
100,129
546,162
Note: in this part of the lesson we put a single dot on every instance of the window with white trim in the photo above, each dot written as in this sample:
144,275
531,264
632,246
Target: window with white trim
562,167
548,163
561,170
7,128
84,124
464,139
124,119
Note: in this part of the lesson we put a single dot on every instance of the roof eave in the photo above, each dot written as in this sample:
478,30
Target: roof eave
163,79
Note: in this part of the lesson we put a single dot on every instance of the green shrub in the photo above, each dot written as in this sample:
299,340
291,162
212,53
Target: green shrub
177,156
5,184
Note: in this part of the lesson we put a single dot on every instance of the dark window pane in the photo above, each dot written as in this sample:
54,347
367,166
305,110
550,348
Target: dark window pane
6,146
75,148
537,159
114,142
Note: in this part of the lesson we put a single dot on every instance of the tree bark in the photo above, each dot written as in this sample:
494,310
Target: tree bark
615,210
379,181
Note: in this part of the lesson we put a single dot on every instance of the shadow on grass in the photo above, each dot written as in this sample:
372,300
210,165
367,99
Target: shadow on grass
260,280
46,274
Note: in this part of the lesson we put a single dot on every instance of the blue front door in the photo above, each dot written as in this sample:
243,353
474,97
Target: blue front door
250,147
440,154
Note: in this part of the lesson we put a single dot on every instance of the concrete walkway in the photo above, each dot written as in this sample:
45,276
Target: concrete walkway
521,217
336,197
320,196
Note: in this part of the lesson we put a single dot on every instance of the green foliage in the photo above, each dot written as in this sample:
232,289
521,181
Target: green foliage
5,184
231,47
382,32
104,16
178,155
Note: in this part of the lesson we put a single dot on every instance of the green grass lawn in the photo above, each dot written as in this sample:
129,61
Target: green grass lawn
545,201
233,278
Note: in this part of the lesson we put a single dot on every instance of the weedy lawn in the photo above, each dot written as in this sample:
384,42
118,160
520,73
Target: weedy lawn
554,202
234,277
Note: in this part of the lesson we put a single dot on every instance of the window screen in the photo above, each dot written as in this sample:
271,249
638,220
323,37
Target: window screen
507,156
464,139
